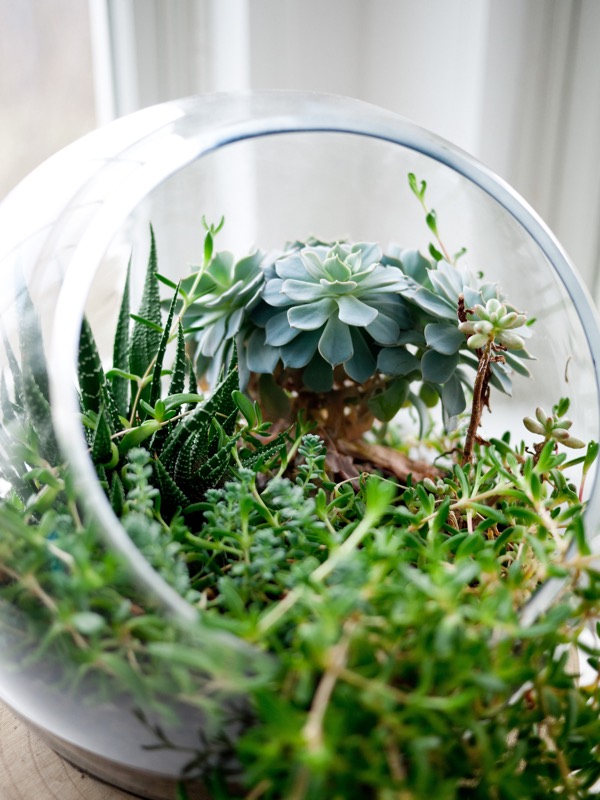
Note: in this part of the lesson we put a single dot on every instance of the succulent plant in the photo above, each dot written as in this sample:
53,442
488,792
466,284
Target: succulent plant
553,426
493,323
227,292
327,305
337,314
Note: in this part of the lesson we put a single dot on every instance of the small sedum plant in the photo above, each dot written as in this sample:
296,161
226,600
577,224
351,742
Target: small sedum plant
360,629
493,325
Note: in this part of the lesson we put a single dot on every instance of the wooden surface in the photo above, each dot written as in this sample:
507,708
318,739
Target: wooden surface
30,770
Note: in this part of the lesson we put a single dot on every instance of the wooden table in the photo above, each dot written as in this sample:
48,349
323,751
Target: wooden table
30,770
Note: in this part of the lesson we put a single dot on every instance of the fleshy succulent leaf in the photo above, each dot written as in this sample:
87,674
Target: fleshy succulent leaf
437,367
335,344
446,339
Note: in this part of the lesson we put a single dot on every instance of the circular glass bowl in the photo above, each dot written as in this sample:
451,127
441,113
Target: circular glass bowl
279,166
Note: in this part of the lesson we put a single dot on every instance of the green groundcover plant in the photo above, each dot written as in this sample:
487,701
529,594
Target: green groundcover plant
253,436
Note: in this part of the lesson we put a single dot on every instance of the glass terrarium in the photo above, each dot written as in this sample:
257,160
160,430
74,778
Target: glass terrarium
104,649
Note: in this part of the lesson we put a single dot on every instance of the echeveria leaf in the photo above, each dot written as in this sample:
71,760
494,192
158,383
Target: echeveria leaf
415,265
397,361
434,304
299,352
384,330
279,331
273,294
501,379
310,316
335,344
363,363
260,357
353,311
446,339
453,396
302,291
437,367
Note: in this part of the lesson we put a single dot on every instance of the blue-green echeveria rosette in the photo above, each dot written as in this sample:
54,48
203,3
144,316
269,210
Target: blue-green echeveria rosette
228,291
326,305
435,290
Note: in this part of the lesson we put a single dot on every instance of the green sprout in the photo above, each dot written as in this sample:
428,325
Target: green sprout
553,426
493,323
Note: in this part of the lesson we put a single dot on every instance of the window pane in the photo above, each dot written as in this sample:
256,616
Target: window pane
46,82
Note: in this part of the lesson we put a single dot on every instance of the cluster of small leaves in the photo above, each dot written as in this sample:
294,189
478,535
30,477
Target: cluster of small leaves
404,668
156,541
555,426
76,619
254,544
493,323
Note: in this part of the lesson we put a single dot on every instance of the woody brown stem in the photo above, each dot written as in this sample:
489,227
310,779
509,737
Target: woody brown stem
480,395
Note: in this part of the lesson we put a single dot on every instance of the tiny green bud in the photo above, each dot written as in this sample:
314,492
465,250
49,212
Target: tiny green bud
574,442
467,327
429,485
533,426
511,340
477,340
483,326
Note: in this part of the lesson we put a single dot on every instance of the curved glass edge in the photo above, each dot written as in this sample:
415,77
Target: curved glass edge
173,135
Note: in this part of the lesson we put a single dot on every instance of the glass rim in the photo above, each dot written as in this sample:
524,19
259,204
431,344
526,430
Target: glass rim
168,152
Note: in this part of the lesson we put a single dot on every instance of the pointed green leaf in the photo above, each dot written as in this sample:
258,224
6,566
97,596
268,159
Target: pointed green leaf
138,435
246,406
15,370
90,372
145,341
121,350
40,415
160,356
101,447
117,494
266,452
177,384
172,497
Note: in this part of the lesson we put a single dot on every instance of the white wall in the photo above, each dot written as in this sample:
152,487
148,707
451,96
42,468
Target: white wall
514,82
